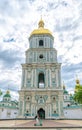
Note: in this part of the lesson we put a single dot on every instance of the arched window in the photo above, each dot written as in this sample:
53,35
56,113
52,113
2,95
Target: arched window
41,43
41,80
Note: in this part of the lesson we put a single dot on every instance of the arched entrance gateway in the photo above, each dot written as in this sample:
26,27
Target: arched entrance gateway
41,113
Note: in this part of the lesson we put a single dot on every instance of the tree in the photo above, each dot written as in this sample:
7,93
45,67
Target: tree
0,92
78,95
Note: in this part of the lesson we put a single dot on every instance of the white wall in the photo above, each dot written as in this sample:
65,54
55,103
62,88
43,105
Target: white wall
73,113
4,113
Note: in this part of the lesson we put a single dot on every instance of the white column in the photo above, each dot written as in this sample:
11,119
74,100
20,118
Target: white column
46,111
31,109
49,56
36,109
57,77
50,110
37,42
46,78
49,42
46,56
32,78
50,76
28,57
22,108
59,106
25,78
35,79
44,42
36,57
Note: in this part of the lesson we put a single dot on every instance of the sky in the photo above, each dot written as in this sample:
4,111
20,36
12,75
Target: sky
18,18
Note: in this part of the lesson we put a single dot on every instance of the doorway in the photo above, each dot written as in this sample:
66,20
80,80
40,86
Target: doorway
41,113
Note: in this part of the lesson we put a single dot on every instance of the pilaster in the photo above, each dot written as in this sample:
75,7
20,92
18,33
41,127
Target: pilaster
32,78
23,78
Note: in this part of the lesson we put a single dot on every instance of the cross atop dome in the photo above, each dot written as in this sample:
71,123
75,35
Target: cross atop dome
41,23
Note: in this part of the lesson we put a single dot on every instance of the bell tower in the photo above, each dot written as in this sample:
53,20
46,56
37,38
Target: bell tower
41,90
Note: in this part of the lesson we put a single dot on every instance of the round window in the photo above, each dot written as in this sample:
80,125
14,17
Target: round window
41,56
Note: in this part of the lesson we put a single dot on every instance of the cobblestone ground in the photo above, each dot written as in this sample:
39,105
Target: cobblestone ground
46,124
53,123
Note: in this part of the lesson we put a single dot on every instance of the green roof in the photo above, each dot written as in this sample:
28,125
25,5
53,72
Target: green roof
65,92
73,106
7,95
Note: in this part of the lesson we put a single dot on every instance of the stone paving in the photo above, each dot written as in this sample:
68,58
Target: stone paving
53,123
45,124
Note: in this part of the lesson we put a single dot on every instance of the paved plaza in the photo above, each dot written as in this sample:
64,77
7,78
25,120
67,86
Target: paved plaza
46,124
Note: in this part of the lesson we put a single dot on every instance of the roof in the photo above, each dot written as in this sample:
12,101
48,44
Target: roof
7,94
41,30
65,91
73,106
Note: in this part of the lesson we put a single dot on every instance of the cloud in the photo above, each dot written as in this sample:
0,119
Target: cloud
8,58
18,18
69,75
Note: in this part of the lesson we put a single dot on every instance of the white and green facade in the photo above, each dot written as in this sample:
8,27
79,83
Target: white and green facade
8,108
41,91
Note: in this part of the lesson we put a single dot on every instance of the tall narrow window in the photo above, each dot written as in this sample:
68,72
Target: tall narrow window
41,80
41,43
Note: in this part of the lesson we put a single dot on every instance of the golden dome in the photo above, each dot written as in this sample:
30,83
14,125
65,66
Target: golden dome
77,86
7,92
7,95
77,81
41,29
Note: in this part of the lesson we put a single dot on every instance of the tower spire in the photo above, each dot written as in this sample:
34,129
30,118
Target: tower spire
41,23
41,16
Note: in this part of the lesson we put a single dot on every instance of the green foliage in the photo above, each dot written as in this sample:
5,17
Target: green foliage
78,95
1,93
